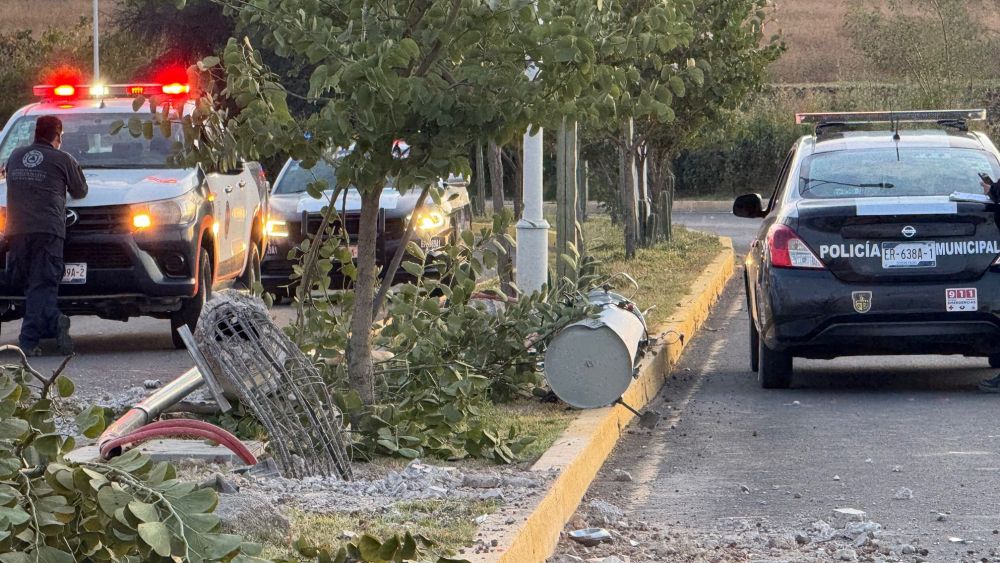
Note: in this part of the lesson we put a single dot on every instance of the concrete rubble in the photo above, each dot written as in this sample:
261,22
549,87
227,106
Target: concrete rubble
842,534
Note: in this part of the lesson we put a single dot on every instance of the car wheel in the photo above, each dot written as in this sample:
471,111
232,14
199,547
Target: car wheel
995,361
754,347
774,370
251,274
191,308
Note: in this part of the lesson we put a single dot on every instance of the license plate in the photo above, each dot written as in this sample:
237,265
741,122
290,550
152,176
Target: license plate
908,255
75,273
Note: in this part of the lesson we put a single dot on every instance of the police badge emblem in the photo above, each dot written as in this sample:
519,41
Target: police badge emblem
862,301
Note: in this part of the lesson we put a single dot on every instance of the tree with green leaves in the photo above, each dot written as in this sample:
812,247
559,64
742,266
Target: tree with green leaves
712,74
441,74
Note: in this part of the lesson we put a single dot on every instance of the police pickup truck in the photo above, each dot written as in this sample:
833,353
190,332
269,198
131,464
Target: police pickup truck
295,215
149,239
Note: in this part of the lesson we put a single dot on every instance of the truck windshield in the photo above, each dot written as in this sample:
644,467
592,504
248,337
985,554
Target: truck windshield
924,171
89,139
296,179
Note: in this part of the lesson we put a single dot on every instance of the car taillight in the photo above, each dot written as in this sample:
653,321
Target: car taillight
787,250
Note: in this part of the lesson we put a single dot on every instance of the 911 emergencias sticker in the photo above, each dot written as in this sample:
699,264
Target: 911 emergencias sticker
961,299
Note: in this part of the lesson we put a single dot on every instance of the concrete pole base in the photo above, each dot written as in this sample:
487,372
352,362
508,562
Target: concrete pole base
532,255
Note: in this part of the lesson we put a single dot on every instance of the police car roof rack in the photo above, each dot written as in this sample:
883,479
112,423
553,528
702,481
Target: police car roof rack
827,122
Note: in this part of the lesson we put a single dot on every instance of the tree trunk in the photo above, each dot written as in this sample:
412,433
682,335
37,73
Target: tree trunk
360,369
518,161
646,220
495,160
627,183
480,203
566,232
504,269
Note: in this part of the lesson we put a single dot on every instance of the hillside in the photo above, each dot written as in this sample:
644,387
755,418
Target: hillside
37,15
819,51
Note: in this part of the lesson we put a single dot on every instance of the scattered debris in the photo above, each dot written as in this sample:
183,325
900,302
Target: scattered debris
605,513
897,468
903,493
958,540
841,517
941,517
152,384
745,489
836,477
622,476
846,555
590,536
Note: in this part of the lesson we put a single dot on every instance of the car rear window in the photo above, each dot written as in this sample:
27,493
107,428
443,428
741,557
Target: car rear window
890,173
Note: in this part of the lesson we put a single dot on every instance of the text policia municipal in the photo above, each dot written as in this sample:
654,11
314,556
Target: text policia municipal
874,250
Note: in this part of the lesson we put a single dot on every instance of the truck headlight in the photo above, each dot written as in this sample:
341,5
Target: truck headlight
178,211
277,228
430,220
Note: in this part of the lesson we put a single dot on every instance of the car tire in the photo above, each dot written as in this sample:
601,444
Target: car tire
754,347
774,370
191,308
251,274
995,361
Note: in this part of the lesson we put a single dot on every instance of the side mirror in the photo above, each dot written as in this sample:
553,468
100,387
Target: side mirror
750,206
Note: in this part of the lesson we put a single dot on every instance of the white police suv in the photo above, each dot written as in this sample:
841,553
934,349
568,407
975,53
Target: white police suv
150,239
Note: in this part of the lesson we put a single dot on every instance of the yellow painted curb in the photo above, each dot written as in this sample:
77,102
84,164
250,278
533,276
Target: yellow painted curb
577,456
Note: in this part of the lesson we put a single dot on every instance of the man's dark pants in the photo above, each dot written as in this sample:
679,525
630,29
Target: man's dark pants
37,264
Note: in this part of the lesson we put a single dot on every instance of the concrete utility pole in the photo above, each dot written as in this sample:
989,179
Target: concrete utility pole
532,230
97,48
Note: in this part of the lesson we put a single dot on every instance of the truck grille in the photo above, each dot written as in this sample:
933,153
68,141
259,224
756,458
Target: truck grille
97,256
394,227
107,219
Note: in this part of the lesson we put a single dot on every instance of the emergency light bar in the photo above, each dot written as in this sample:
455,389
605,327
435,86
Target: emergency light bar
69,91
920,116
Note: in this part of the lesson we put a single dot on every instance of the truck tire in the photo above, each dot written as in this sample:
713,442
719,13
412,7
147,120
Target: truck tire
190,309
251,274
754,347
774,370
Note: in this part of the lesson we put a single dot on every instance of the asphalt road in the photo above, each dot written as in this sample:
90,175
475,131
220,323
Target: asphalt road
850,433
112,356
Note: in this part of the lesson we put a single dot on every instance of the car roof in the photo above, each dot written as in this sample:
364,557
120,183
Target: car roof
80,106
908,138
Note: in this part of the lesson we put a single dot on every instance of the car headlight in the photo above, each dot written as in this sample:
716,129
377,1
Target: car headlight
178,211
430,220
277,228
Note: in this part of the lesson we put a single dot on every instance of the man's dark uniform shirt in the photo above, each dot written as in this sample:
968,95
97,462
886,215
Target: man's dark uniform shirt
38,177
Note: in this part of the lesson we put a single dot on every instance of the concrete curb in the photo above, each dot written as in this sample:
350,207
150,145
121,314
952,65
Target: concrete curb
577,456
706,206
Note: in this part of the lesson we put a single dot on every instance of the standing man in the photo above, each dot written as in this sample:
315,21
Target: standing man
38,179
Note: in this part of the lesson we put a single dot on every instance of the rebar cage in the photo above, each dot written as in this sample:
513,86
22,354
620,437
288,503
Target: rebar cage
267,372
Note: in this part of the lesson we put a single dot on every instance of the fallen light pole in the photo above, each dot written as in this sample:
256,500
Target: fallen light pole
591,363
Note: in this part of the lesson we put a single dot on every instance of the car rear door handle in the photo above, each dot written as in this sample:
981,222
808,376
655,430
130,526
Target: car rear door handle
229,189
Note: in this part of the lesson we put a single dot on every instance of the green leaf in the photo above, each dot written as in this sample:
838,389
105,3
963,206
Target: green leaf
677,86
13,428
111,499
369,547
117,125
143,511
64,386
413,268
91,421
137,103
157,536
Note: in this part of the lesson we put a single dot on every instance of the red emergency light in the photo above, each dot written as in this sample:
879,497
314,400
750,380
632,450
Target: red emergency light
68,91
56,91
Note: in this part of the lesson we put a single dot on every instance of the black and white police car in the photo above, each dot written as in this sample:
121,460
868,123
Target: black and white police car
295,215
149,239
877,240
